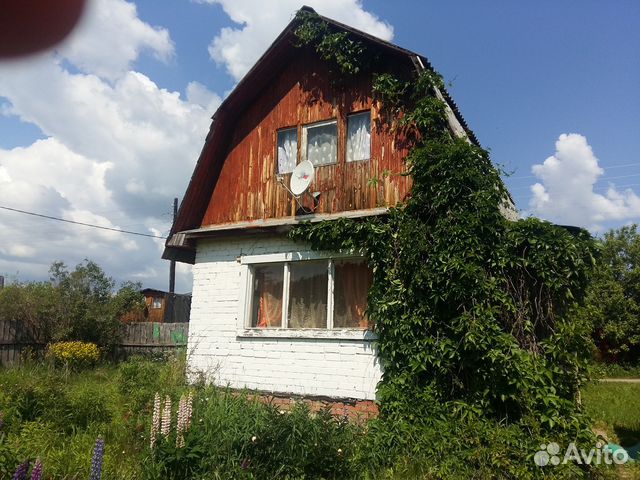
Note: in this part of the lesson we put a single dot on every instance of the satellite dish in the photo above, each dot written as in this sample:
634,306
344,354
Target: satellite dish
301,177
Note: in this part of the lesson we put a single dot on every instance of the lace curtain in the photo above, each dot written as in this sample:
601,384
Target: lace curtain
322,144
308,295
287,150
359,137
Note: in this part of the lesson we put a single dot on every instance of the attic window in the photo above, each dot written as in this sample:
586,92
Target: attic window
320,143
157,302
287,150
359,137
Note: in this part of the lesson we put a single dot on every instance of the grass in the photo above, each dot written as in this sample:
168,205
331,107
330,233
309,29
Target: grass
57,414
616,409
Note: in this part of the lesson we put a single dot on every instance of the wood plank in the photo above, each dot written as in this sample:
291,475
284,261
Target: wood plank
137,338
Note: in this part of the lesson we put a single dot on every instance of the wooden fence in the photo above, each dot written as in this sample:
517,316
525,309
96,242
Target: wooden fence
148,338
15,340
144,338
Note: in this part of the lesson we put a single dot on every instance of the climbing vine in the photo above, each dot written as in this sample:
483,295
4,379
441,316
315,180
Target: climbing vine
337,48
474,313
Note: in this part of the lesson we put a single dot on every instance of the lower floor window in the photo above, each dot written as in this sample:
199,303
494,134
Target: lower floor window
310,294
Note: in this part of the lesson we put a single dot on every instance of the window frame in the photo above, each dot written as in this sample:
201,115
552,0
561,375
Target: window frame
244,328
346,135
284,129
303,140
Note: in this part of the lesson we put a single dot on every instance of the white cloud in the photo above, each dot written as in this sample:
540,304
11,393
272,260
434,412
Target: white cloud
238,48
117,146
118,149
198,94
110,36
566,193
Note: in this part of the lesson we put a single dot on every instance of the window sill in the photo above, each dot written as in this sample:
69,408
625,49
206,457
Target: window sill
309,333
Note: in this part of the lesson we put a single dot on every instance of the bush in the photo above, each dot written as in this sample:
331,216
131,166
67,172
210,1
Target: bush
233,436
57,415
73,354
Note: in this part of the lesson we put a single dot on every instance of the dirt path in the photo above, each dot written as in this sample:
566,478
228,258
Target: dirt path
620,380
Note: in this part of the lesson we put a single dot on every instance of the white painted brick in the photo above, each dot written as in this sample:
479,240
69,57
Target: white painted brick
298,366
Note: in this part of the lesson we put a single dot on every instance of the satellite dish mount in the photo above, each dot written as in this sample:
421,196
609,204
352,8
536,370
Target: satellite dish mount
301,179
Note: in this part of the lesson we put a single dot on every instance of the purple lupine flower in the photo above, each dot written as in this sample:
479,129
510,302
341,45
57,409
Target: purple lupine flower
1,420
96,461
21,471
36,473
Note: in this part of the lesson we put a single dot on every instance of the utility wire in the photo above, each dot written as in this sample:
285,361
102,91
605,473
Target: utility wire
601,166
520,187
80,223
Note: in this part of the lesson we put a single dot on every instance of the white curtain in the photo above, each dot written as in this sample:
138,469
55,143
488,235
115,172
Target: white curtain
359,137
287,150
322,144
308,288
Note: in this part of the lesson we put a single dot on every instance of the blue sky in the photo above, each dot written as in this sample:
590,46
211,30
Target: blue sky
106,129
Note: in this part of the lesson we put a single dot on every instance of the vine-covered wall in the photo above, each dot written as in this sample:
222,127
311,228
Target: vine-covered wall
474,313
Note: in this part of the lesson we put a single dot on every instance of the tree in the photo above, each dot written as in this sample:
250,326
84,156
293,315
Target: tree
74,305
613,298
35,305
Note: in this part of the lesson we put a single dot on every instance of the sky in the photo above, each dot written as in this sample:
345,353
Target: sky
106,127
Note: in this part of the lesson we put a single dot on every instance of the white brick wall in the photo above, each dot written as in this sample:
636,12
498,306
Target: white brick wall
304,366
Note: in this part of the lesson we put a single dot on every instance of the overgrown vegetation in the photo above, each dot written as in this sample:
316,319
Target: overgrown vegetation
57,415
475,314
81,304
613,298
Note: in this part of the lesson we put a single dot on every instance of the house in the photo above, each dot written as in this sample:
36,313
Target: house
161,307
267,313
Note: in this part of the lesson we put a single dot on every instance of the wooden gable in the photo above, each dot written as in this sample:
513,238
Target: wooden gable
235,186
248,187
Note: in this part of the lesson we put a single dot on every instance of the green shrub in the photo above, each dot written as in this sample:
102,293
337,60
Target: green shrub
8,459
235,437
56,415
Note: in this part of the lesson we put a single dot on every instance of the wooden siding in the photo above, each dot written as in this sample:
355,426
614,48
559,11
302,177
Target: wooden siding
155,314
302,93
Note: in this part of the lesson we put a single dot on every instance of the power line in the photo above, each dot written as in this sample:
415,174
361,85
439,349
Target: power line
603,179
80,223
601,166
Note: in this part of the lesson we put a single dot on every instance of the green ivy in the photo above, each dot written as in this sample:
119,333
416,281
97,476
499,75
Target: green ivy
474,313
337,48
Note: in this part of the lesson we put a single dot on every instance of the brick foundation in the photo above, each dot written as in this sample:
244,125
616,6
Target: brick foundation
353,409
